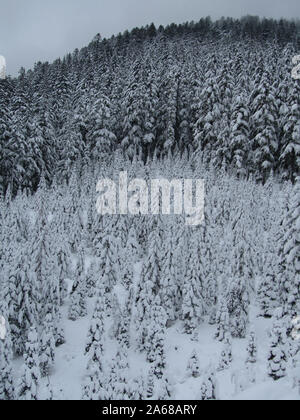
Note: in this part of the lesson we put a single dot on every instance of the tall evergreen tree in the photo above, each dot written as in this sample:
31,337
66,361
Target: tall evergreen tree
30,380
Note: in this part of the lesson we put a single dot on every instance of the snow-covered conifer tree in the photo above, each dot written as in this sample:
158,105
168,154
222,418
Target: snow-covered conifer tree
156,338
239,135
7,389
251,348
108,268
268,286
74,308
119,384
193,368
169,289
77,306
93,385
278,353
223,322
193,305
47,346
290,155
251,356
30,378
165,389
25,301
147,290
95,338
226,354
137,388
264,125
209,388
91,280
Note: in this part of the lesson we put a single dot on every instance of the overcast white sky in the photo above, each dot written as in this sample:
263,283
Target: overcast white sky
43,30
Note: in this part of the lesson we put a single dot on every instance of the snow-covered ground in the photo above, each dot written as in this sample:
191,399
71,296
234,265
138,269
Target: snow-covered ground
70,366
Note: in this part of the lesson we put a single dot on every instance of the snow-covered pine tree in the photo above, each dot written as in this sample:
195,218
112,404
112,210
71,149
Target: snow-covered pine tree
63,259
138,389
289,254
30,378
59,333
238,308
48,394
208,116
74,308
264,127
123,335
167,129
50,287
93,385
277,358
193,305
132,125
6,134
81,276
209,388
49,268
226,354
212,298
25,298
7,388
126,267
108,267
239,135
96,331
120,232
193,367
91,280
251,348
180,249
165,389
147,289
47,346
251,356
100,136
42,258
145,296
169,289
266,293
156,338
132,246
222,320
77,306
238,293
119,384
290,154
184,107
151,98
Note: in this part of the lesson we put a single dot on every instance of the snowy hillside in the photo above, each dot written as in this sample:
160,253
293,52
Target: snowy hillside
70,366
136,305
139,307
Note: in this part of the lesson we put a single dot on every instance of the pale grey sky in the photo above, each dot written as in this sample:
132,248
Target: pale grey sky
43,30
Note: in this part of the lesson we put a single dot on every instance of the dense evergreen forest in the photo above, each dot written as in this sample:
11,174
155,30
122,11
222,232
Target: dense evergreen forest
108,307
220,91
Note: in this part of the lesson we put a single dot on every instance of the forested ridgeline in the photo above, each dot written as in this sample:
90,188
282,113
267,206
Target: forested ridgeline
222,92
